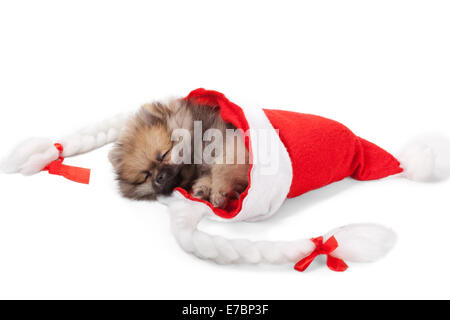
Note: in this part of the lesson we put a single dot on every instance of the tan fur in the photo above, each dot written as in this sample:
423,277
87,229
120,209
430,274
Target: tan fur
144,150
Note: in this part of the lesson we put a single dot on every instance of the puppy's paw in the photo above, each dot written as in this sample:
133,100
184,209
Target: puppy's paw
219,199
201,191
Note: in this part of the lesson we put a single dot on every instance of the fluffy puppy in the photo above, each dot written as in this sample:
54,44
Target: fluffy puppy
146,157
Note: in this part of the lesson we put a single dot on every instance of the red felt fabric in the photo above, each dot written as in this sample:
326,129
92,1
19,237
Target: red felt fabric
323,151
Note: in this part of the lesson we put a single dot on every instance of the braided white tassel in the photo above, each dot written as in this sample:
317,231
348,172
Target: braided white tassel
32,155
357,243
95,136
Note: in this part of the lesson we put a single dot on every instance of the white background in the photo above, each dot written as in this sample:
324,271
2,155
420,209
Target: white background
380,67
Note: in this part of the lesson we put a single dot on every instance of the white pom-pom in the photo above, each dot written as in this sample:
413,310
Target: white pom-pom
426,159
363,242
30,156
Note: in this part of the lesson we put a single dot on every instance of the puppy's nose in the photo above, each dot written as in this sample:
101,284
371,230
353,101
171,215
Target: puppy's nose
161,177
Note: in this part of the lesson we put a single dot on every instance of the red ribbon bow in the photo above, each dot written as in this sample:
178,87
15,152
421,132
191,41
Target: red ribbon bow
328,247
80,175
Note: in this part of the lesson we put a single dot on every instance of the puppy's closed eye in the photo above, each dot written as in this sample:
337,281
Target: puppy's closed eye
160,157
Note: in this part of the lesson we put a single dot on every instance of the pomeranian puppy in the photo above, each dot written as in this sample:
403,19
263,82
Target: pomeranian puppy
146,157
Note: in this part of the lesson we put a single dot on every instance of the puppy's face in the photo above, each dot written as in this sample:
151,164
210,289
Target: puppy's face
141,157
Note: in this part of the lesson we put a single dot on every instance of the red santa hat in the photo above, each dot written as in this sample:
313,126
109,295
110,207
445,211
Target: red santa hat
310,152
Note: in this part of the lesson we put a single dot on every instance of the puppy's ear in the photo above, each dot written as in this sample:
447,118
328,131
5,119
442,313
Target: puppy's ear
154,113
115,156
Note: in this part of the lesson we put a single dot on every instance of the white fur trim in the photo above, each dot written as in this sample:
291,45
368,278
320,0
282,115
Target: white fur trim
268,190
426,158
